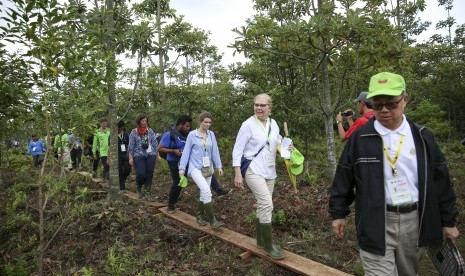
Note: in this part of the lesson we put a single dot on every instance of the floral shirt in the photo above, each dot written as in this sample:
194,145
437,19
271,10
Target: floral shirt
135,147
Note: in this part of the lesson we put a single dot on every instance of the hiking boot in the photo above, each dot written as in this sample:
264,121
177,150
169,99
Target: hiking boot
271,250
211,216
139,193
200,212
149,196
222,192
171,209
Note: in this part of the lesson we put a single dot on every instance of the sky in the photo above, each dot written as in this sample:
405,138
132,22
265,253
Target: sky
221,16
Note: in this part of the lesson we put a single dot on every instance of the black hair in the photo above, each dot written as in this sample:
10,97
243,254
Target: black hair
121,124
103,120
183,119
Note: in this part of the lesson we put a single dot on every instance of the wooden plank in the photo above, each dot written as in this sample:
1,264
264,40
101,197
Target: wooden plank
290,261
84,173
132,195
245,256
203,238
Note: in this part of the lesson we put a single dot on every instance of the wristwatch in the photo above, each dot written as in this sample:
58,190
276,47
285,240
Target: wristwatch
337,122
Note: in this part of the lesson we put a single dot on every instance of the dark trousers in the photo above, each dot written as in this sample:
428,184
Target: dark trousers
124,171
76,156
95,162
106,168
215,185
175,190
144,166
37,159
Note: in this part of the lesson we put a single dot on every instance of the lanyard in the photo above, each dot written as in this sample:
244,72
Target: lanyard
205,141
392,162
263,128
121,137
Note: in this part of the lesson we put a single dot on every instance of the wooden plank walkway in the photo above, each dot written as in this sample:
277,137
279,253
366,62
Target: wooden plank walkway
290,261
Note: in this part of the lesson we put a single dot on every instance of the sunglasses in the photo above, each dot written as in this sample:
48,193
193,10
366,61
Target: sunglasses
388,105
260,105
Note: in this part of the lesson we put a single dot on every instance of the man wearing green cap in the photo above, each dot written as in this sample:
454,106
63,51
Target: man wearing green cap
397,175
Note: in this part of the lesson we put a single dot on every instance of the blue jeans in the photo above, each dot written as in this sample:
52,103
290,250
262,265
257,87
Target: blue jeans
144,166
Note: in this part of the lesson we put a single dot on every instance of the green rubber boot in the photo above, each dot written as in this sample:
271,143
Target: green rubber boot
258,233
139,192
211,216
200,212
267,236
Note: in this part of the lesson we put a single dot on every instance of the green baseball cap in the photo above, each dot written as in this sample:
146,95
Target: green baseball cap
297,162
386,83
183,182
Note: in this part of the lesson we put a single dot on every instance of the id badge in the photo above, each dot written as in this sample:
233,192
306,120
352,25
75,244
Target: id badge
270,160
123,147
149,149
33,148
399,190
205,161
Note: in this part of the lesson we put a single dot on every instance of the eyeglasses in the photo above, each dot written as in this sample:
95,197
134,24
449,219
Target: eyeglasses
388,105
260,105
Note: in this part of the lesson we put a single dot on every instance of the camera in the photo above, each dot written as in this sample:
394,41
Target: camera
145,143
347,114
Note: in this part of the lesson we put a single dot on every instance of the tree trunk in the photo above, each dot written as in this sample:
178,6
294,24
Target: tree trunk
328,116
110,49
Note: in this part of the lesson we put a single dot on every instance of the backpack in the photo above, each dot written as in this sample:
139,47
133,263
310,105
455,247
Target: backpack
172,140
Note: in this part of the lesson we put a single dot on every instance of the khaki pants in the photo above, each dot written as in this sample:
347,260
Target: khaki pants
262,189
402,257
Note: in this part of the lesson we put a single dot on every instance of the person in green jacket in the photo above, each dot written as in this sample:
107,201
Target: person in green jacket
101,138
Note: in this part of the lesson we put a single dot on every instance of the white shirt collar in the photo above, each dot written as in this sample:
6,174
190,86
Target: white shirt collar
401,130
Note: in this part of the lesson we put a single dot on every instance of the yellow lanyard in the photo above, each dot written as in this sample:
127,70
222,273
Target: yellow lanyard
392,162
263,128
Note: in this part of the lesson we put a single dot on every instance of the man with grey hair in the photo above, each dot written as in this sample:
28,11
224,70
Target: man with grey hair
365,111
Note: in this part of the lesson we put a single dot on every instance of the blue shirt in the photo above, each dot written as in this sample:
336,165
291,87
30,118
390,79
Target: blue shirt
36,147
178,143
135,144
196,148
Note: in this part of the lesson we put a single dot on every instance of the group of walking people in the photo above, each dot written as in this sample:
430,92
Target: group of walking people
392,168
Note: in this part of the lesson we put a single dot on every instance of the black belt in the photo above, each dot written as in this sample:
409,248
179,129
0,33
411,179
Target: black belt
402,209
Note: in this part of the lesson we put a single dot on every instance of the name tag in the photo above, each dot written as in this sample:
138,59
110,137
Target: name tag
399,190
33,148
149,149
205,161
270,159
123,147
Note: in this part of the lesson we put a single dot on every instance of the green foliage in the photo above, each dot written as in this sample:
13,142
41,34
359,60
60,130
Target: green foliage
17,268
116,263
431,116
19,162
279,217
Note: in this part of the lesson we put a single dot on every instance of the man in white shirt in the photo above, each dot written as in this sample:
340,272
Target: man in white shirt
395,172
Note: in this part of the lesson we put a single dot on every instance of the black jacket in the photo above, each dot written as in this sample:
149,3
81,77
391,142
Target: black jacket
360,177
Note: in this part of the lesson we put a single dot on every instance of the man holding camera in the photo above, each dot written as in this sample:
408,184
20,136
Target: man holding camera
363,108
